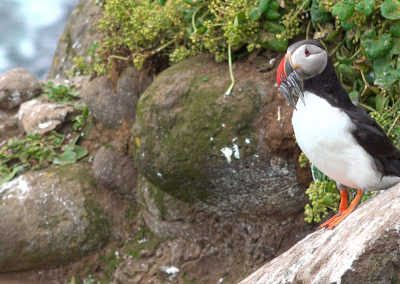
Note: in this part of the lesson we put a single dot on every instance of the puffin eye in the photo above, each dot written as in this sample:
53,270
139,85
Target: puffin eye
307,53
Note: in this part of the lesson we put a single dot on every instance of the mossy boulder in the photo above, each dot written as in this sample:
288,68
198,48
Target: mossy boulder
208,148
48,218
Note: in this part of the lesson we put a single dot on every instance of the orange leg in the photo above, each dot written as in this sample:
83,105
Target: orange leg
352,207
342,208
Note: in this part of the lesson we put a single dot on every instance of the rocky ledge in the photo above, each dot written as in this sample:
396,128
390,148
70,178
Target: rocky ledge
364,248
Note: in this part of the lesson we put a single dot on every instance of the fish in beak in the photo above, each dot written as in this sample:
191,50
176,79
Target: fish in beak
288,80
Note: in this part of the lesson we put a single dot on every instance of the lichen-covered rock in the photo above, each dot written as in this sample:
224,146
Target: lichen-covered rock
205,147
48,218
17,86
40,117
80,33
364,248
115,171
111,106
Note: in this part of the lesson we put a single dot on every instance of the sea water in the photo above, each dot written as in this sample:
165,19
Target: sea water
29,32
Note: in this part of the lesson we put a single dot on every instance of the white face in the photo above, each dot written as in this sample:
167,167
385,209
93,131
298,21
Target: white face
310,60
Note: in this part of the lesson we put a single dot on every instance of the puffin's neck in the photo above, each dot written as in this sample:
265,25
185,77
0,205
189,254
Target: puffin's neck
327,86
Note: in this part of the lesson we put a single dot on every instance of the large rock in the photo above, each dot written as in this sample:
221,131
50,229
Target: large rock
40,117
16,86
205,147
364,248
112,106
48,218
80,33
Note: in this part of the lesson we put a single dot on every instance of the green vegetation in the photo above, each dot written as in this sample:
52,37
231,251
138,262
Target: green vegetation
59,93
138,30
35,151
325,196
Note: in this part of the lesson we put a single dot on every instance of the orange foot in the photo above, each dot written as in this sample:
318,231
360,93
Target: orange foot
342,208
335,220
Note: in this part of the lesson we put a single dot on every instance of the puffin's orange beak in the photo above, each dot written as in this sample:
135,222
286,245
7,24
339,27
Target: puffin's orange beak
281,74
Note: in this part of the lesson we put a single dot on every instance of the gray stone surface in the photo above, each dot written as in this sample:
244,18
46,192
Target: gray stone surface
49,217
204,147
114,171
364,248
204,246
9,124
16,86
112,106
80,33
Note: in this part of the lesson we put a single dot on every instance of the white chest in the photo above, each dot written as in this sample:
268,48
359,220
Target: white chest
323,132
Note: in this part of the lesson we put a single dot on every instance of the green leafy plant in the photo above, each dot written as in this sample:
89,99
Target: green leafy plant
35,151
83,65
137,30
60,93
79,121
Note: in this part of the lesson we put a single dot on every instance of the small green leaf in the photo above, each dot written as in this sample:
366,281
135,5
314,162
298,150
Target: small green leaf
263,5
11,175
376,48
354,95
276,45
317,174
347,25
162,2
388,77
343,10
272,14
80,152
68,157
348,71
274,5
380,103
255,14
379,64
390,9
395,30
274,27
396,46
318,15
241,16
331,187
367,6
270,41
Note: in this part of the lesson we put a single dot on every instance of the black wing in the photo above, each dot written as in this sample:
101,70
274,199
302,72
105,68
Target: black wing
375,141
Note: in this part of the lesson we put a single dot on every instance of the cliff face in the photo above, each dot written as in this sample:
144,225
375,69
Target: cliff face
364,248
170,179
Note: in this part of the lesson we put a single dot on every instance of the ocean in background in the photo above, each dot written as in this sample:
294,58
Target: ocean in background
29,33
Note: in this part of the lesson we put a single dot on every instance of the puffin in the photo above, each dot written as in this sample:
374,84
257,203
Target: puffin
336,135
